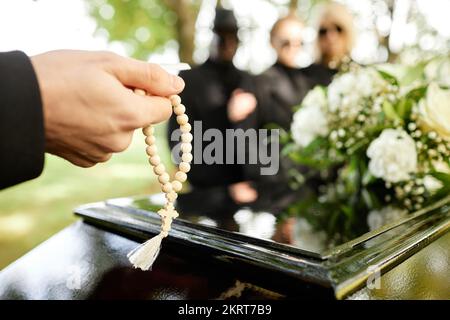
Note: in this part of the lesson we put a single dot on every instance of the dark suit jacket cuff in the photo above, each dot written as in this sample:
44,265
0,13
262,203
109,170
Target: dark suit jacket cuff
22,139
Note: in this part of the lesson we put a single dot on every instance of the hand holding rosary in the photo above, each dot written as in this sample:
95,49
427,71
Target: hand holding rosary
144,255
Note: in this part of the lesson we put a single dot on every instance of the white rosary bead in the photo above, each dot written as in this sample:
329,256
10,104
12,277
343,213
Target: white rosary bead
152,150
181,176
179,110
144,256
175,100
182,119
185,128
148,131
187,157
186,137
186,147
171,196
169,205
170,188
164,178
167,187
140,92
159,169
150,140
176,185
185,167
155,160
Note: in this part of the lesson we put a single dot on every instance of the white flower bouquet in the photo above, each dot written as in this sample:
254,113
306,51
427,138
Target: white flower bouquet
378,141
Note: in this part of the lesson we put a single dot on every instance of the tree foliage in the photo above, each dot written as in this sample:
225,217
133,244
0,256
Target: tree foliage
146,26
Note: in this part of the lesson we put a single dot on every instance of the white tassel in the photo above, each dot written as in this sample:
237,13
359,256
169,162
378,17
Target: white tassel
144,255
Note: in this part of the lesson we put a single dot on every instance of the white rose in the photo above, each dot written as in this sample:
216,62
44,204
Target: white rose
339,89
378,218
370,82
393,156
346,91
315,98
309,122
435,111
439,70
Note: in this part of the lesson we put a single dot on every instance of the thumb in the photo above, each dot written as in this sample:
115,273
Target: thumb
147,76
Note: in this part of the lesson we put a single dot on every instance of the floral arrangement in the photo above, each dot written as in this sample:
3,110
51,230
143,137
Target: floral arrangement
378,141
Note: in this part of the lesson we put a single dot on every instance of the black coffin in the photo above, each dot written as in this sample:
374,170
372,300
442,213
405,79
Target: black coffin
214,257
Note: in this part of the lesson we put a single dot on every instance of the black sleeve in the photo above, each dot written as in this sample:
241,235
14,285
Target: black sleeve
248,83
21,120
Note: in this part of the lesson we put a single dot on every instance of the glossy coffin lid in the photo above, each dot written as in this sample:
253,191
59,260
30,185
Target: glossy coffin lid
247,236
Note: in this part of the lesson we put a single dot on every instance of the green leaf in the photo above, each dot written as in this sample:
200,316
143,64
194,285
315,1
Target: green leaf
370,199
368,178
390,112
441,176
290,148
333,221
445,190
413,73
388,77
348,211
404,107
359,145
417,93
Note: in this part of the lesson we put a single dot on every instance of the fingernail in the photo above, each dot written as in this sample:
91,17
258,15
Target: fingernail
177,83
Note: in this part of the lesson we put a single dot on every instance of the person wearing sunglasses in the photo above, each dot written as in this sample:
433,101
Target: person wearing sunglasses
276,91
335,39
282,85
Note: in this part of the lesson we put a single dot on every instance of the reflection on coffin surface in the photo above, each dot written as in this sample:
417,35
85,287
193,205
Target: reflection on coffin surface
245,254
285,246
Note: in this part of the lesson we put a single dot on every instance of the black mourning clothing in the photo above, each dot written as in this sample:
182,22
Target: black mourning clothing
278,90
21,121
206,95
318,74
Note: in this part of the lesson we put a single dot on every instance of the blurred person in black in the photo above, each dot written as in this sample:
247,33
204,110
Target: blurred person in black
335,40
277,91
282,86
209,88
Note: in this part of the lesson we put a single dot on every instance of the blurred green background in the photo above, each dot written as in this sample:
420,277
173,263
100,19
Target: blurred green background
33,211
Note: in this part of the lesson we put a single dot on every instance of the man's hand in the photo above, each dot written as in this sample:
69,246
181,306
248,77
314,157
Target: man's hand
242,192
241,104
90,110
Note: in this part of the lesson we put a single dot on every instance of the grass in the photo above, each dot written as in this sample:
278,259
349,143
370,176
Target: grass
33,211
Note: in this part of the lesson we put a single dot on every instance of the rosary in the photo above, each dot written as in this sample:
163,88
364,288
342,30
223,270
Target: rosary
144,255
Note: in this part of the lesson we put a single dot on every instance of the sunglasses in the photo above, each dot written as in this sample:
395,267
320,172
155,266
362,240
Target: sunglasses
337,28
285,43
